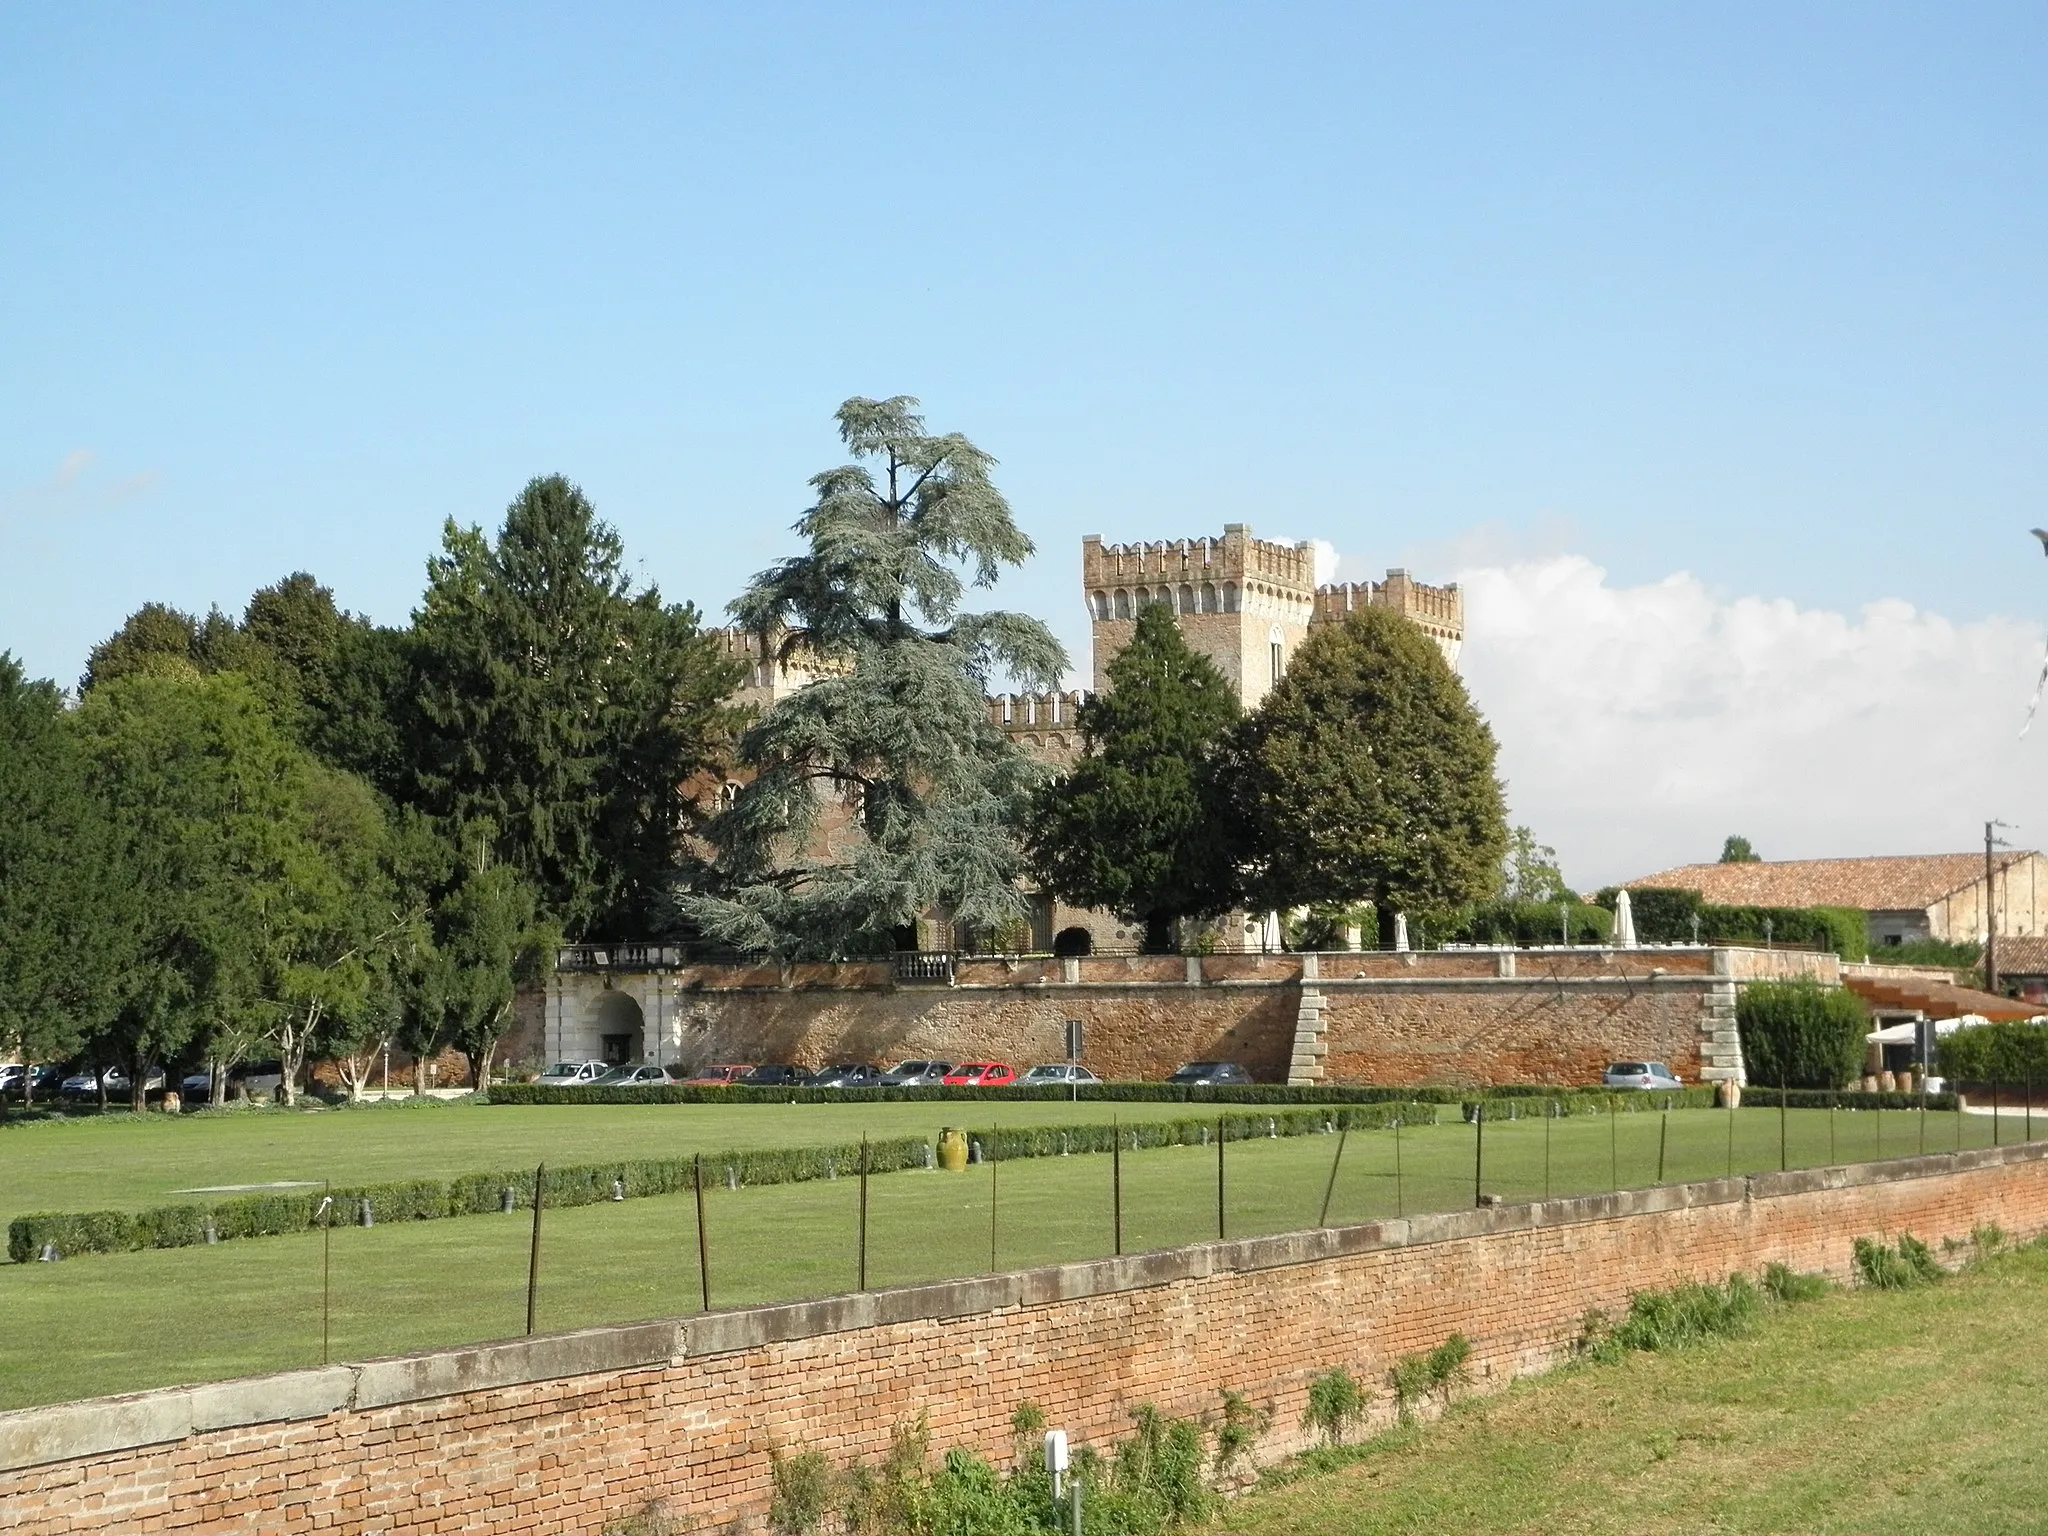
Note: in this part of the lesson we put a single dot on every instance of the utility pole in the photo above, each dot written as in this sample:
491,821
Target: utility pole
1991,841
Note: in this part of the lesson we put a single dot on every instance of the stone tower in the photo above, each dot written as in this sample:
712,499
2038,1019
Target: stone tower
1243,602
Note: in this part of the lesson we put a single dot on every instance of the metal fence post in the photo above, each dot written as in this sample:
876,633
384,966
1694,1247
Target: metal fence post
863,1213
1400,1204
1548,1107
1222,1135
1663,1139
1613,1144
1834,1098
992,1199
326,1270
703,1243
1782,1163
1731,1135
1116,1185
1478,1149
1330,1188
540,1175
1996,1088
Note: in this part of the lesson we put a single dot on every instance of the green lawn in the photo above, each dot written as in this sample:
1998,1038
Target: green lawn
1880,1412
106,1323
122,1161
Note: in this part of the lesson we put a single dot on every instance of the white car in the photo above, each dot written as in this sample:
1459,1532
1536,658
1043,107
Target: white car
1057,1075
572,1074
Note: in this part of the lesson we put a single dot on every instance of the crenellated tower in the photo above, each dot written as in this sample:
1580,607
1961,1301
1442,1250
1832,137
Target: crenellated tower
1245,603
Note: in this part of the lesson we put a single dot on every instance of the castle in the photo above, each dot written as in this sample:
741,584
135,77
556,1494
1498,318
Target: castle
1245,603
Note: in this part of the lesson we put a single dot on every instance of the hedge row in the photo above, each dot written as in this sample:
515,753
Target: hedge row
470,1194
1822,1098
1593,1101
1666,917
1060,1140
2002,1053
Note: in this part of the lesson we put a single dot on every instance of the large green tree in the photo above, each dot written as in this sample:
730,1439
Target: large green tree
563,707
1138,826
1367,775
202,794
58,975
898,731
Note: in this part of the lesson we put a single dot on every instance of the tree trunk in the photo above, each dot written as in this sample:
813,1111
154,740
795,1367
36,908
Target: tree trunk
419,1077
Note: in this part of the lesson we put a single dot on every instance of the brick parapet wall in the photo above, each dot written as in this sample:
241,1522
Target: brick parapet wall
562,1433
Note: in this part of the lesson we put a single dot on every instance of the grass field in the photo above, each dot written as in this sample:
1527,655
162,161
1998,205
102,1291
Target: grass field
1893,1412
122,1161
108,1323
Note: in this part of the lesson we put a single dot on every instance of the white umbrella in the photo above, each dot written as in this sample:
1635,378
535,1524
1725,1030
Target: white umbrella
1400,930
1624,922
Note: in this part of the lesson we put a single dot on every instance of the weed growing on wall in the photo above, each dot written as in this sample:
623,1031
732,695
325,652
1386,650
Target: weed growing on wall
1335,1400
1896,1267
1239,1430
806,1488
1784,1284
1438,1374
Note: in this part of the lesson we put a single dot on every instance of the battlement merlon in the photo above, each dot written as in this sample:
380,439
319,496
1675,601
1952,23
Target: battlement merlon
1236,557
1432,607
1036,711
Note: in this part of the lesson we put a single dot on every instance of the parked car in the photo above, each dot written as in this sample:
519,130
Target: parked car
718,1075
916,1074
572,1074
775,1074
1654,1075
847,1075
1211,1074
86,1084
638,1074
982,1074
258,1079
1058,1074
43,1082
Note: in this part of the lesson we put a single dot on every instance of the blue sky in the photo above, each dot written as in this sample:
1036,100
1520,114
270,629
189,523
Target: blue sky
1751,293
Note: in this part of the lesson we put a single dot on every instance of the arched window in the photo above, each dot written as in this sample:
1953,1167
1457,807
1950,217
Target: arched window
1209,602
1230,597
1277,643
1102,605
1187,599
1123,603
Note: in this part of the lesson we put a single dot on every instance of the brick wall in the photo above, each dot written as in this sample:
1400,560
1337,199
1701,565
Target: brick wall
561,1434
1461,1017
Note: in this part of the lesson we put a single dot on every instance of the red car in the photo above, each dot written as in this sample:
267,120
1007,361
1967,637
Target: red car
723,1075
982,1074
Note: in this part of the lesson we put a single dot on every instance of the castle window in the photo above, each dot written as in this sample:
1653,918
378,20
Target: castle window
1209,603
1123,604
1187,599
1102,605
1230,597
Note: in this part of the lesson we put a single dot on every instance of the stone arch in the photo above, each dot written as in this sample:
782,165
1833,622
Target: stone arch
613,1018
1187,599
1210,603
1073,941
1123,603
1230,597
1102,605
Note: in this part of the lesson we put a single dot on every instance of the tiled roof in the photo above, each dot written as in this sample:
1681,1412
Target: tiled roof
1904,884
1938,1000
2022,957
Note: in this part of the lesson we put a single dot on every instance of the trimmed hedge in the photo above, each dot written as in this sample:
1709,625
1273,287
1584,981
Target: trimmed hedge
471,1194
1530,922
1666,917
1060,1140
1996,1053
1821,1098
1801,1034
1593,1101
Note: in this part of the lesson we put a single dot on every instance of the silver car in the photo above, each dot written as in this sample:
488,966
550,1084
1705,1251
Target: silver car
1057,1075
1654,1075
917,1074
572,1074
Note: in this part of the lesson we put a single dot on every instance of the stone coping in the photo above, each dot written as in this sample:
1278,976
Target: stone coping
98,1426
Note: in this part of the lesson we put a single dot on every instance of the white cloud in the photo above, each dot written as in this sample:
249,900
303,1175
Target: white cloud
74,491
1640,725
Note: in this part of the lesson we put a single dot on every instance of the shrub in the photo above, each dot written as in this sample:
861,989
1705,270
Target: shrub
1239,1431
1901,1267
1436,1374
654,1520
1334,1400
1801,1033
1158,1472
1666,917
1996,1053
1785,1284
1530,922
1686,1314
803,1496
